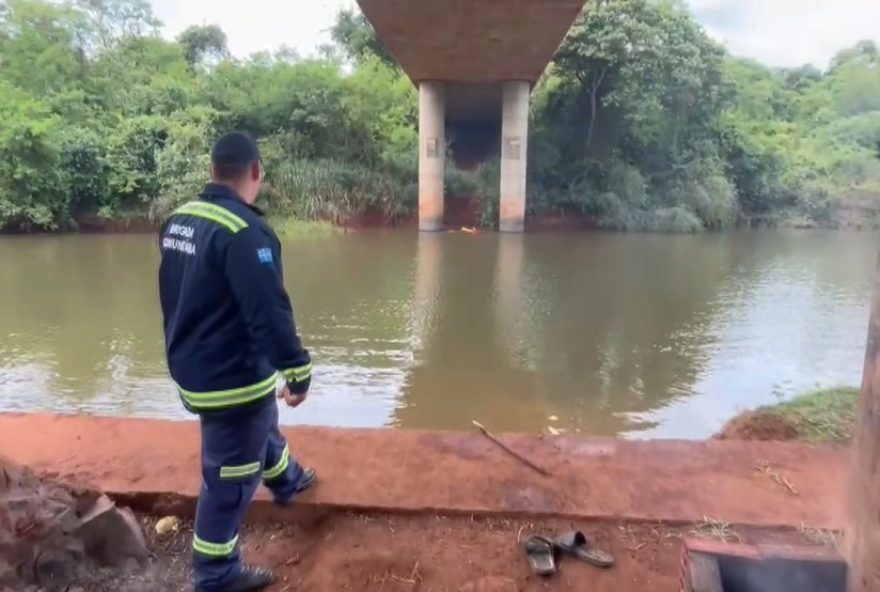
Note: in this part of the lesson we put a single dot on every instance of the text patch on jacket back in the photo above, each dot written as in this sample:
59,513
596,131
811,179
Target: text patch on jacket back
177,238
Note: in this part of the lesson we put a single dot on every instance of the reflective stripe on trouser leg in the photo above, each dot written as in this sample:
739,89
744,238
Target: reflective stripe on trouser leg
282,473
230,477
239,472
218,550
280,467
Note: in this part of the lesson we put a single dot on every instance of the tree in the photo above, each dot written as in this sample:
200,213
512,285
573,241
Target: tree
865,51
633,103
799,79
38,46
607,36
856,86
354,34
204,45
113,21
31,184
648,60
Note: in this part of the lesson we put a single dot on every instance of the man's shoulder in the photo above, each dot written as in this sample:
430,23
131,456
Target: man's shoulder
256,228
241,210
253,217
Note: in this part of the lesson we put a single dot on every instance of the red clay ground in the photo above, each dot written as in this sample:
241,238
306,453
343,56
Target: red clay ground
763,427
453,473
381,553
371,523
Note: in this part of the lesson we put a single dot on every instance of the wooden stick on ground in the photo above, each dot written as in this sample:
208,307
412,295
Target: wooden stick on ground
511,452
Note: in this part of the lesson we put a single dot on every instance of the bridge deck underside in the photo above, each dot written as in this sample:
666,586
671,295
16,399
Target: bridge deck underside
472,41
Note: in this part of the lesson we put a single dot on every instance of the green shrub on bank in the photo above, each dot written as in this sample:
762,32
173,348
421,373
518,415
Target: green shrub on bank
334,191
292,228
458,183
661,220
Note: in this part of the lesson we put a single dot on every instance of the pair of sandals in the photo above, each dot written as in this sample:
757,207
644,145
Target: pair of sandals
543,552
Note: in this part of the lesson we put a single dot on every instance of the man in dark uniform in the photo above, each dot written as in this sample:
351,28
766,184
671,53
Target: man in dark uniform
232,344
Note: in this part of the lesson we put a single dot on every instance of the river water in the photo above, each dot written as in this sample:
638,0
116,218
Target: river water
636,335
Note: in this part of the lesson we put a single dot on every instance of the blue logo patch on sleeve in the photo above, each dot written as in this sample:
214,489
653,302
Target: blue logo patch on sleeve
264,255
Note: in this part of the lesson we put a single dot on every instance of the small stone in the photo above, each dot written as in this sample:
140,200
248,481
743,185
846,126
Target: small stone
167,525
110,534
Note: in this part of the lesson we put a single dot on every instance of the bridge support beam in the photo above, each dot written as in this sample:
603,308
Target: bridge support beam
514,150
432,154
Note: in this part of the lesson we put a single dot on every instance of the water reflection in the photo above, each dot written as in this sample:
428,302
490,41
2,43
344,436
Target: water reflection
604,334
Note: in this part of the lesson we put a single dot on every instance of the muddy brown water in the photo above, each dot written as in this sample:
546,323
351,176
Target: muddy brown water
637,335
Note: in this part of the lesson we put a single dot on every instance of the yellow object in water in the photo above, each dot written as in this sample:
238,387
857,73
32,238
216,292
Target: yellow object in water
167,525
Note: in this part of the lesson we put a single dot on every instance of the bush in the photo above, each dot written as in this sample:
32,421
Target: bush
132,157
460,184
84,165
703,189
489,193
32,188
331,190
676,219
184,163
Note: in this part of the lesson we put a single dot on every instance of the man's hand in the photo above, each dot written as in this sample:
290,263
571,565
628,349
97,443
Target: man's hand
292,401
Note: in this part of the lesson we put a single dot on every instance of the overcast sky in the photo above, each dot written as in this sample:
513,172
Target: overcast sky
777,32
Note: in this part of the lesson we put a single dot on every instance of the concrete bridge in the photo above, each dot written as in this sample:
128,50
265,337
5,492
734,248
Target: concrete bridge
474,63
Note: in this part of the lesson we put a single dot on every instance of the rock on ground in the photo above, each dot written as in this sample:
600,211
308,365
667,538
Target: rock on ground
47,530
111,535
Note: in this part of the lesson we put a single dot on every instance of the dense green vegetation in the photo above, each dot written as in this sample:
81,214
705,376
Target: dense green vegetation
641,123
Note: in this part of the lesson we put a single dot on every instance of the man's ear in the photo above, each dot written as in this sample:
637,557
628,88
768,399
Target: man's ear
255,170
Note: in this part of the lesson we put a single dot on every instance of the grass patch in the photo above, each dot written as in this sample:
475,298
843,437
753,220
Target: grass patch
820,417
292,228
826,416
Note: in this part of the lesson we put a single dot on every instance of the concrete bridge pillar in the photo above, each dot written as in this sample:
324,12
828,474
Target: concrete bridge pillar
514,149
432,154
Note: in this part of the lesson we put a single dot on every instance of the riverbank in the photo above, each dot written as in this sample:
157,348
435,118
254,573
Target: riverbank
153,466
460,214
850,214
820,417
386,497
289,227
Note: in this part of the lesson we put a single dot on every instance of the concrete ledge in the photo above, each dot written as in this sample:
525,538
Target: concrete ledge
457,473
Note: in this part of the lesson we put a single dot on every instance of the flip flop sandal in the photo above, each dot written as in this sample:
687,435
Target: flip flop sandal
576,545
542,555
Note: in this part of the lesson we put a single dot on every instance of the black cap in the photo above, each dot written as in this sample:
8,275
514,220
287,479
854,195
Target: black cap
236,149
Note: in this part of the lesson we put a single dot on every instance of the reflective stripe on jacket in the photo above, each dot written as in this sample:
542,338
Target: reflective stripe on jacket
229,326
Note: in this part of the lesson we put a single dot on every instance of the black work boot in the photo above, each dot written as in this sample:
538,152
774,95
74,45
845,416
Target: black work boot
308,478
250,579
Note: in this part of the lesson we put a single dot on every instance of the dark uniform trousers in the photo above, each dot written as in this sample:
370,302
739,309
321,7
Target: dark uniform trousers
239,451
